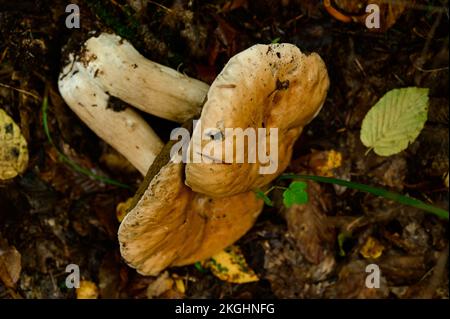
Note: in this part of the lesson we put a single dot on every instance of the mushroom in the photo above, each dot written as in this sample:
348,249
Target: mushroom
168,224
172,222
266,86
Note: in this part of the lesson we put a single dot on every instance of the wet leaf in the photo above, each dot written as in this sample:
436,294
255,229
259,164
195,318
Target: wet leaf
395,120
13,148
230,265
295,194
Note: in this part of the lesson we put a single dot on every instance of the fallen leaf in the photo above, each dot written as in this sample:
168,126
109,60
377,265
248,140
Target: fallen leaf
372,249
161,285
10,266
229,265
308,225
87,290
356,11
395,120
122,209
13,148
324,162
179,284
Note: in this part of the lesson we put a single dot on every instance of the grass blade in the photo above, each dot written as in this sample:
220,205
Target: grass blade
402,199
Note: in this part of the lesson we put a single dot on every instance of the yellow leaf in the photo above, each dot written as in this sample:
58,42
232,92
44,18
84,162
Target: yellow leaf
13,148
87,290
372,249
179,284
323,163
122,209
229,265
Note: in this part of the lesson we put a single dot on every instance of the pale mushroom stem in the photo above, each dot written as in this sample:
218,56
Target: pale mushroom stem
125,130
119,69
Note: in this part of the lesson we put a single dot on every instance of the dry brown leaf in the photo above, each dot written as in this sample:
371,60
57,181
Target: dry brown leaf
161,285
10,266
308,225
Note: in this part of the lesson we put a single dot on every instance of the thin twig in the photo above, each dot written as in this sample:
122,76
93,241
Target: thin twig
21,91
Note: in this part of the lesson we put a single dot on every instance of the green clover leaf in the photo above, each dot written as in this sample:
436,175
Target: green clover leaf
295,194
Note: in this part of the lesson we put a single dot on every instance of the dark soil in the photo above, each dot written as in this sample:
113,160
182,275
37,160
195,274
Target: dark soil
55,216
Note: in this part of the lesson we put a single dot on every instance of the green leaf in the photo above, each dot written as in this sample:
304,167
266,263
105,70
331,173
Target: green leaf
295,194
395,120
276,40
342,237
261,195
199,267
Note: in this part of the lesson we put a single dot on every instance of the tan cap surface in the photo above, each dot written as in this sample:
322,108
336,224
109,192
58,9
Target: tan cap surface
265,86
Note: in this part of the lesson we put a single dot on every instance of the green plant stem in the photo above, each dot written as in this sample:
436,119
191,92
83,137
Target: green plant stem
272,188
402,199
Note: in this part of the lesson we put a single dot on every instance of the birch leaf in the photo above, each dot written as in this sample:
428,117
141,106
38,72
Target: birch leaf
395,120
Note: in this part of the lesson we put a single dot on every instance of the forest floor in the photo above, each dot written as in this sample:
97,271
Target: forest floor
54,216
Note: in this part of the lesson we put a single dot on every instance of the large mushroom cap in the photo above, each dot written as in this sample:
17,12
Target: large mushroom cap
172,226
265,86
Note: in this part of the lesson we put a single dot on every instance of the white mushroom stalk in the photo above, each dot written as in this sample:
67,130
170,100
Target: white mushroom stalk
121,71
124,130
109,66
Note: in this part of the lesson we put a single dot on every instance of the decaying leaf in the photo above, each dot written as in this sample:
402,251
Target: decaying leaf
229,265
162,284
10,265
13,148
372,249
166,286
351,283
362,10
313,235
323,162
87,290
395,120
